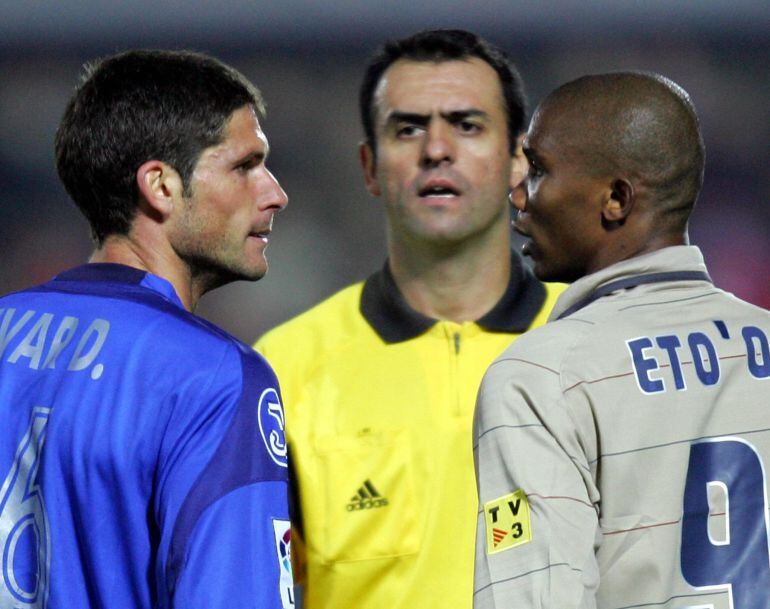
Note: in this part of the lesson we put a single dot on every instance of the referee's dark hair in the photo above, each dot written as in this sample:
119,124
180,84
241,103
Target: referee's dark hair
438,46
138,106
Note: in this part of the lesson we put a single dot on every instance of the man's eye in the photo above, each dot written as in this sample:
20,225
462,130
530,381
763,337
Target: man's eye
247,166
535,171
468,127
407,131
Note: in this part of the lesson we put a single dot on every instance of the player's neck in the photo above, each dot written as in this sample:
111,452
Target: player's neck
458,284
153,258
620,248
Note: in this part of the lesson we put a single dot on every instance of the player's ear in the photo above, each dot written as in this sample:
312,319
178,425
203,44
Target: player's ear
519,164
160,185
619,201
369,164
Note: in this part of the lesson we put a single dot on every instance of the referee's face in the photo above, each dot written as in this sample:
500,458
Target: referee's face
442,164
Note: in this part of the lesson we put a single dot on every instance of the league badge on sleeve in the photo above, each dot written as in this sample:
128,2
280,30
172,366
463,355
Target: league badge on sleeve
508,522
271,426
282,530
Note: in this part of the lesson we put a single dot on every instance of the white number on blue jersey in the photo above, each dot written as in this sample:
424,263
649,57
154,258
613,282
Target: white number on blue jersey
24,537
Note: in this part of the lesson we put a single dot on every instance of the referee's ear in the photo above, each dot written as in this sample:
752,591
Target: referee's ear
159,186
369,164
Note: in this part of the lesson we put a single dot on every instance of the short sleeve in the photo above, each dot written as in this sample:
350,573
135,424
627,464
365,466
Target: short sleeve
222,499
537,526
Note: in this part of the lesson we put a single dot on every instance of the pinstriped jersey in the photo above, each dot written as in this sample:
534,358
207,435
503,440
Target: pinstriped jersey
622,449
142,459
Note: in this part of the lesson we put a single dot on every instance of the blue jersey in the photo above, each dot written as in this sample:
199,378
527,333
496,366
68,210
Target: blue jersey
142,456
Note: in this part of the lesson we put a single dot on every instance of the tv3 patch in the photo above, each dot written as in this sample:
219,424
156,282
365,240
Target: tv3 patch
508,522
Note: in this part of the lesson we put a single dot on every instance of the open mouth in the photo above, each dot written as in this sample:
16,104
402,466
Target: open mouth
529,248
438,191
263,235
519,224
520,230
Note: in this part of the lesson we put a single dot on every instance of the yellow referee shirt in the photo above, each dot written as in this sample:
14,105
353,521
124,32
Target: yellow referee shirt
379,405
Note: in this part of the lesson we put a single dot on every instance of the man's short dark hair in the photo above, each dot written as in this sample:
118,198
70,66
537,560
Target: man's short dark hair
439,46
138,106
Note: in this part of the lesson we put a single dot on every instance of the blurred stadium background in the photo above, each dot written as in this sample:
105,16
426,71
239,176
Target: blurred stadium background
307,57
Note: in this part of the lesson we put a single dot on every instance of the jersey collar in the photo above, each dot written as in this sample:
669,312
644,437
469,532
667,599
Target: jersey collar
387,312
675,263
104,272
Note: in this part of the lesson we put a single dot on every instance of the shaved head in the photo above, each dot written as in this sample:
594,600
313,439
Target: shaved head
615,165
640,126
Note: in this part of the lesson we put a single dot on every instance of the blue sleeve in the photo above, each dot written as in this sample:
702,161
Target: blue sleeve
223,497
238,555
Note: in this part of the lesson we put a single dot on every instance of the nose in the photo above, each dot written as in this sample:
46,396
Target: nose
273,195
438,145
518,196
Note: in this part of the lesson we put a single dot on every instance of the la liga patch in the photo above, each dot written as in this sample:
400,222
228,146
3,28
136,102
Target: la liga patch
282,530
508,522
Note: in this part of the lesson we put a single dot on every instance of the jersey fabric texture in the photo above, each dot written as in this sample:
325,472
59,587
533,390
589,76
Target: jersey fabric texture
379,412
142,459
636,427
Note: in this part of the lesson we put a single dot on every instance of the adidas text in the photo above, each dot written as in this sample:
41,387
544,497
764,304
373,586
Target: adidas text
367,504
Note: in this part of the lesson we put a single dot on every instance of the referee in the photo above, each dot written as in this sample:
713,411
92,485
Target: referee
380,379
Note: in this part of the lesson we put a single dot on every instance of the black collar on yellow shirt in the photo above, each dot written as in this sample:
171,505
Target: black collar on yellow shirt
388,313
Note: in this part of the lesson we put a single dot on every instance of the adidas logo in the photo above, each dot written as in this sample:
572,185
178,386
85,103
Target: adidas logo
366,498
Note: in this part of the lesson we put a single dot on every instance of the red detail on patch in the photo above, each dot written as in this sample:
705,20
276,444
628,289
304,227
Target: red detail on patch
498,535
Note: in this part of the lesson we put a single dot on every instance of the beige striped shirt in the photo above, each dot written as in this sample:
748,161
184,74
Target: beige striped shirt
638,429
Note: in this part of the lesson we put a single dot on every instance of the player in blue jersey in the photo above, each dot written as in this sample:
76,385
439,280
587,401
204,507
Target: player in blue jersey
142,456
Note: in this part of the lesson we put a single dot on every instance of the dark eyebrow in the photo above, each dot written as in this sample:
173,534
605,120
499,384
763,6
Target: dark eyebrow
252,155
415,118
529,153
461,115
408,117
